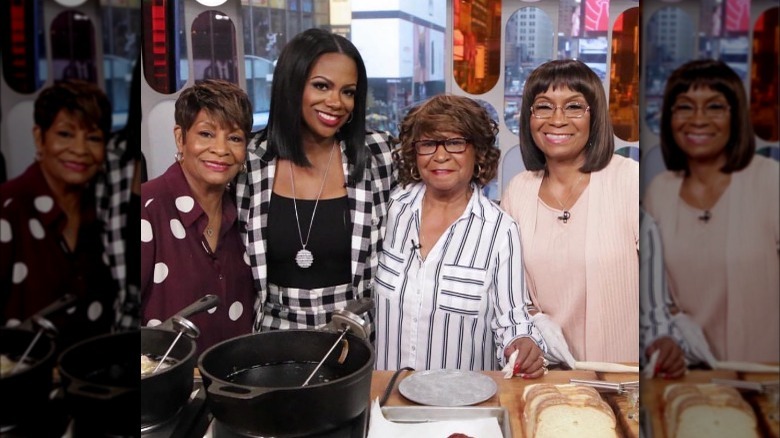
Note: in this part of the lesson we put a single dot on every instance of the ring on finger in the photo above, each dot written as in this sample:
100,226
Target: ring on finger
545,362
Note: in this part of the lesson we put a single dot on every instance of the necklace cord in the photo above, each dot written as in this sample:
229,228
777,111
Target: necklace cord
314,211
571,192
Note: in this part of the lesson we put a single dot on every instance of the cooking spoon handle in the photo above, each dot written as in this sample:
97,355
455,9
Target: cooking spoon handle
326,356
205,303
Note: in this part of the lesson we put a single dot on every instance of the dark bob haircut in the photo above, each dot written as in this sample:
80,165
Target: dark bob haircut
448,113
83,99
717,76
576,76
290,75
223,100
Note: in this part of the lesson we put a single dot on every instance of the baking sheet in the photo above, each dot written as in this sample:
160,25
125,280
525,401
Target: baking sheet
482,422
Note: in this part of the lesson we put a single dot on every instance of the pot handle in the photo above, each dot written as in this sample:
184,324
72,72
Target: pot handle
360,306
63,302
87,390
237,392
205,303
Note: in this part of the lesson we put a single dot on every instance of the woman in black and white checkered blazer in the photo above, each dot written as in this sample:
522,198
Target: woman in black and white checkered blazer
314,195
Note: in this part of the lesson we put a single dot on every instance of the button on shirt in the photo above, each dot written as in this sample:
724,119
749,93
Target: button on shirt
462,305
178,267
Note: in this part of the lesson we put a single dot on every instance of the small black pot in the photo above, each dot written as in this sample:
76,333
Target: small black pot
100,379
273,403
24,393
164,393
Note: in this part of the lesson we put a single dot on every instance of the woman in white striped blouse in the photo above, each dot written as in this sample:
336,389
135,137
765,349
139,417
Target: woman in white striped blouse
656,330
450,289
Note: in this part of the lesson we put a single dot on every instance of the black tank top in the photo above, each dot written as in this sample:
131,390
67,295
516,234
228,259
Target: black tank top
329,242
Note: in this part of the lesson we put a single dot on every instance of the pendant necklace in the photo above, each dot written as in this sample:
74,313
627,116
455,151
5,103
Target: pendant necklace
209,231
566,215
304,258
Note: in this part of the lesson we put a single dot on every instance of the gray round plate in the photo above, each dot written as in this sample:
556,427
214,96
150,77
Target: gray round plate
447,387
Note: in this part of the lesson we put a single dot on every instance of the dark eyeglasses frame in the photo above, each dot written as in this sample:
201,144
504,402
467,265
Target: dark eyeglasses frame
416,145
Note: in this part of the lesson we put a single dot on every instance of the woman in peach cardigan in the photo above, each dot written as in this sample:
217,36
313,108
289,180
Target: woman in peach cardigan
578,210
717,210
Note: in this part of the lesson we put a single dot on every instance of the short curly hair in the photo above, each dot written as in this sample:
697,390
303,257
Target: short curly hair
449,113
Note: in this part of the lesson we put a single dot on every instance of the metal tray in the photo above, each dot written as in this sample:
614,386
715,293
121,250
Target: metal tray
420,414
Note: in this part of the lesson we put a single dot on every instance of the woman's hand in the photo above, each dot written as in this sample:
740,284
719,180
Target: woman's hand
530,363
671,359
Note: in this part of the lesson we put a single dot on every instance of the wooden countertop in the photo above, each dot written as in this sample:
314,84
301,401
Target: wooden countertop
652,390
510,392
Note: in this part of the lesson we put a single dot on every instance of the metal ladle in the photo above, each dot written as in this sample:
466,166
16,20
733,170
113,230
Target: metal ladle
344,320
185,327
44,325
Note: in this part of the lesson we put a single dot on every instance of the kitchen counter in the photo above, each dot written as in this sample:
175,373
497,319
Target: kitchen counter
652,390
510,393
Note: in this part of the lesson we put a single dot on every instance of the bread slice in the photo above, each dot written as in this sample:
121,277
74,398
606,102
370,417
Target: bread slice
566,410
707,410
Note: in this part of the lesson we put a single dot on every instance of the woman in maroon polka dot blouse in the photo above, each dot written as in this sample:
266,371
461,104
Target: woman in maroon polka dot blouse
50,237
190,242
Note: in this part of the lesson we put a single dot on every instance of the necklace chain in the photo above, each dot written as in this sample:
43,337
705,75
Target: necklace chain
566,214
295,204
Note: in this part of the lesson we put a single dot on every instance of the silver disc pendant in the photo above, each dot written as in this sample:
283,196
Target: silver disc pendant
304,258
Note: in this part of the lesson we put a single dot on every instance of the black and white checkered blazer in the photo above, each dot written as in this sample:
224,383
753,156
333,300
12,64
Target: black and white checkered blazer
113,189
368,200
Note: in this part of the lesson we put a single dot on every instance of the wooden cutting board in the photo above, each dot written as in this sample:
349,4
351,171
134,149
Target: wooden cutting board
513,401
512,398
628,421
652,393
510,394
761,404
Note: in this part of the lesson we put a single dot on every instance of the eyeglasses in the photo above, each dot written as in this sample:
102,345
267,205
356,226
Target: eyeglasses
455,145
572,110
712,110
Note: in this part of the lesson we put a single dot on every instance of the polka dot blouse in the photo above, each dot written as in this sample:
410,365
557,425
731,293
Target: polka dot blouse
178,267
37,267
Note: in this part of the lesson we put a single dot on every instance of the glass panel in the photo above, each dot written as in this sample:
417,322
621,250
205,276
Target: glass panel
491,189
764,94
724,34
165,45
529,42
668,43
23,42
476,44
121,40
214,47
624,76
405,63
73,47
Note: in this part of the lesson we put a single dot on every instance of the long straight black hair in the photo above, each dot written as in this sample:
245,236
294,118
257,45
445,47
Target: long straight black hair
290,75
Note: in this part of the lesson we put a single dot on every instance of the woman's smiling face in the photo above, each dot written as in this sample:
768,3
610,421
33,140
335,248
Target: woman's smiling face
701,123
561,138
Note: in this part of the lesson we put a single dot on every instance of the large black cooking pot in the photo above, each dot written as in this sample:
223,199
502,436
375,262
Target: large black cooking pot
24,393
100,380
165,392
254,382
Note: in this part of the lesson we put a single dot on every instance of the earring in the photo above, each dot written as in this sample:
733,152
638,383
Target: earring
351,115
178,156
479,171
415,177
243,167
